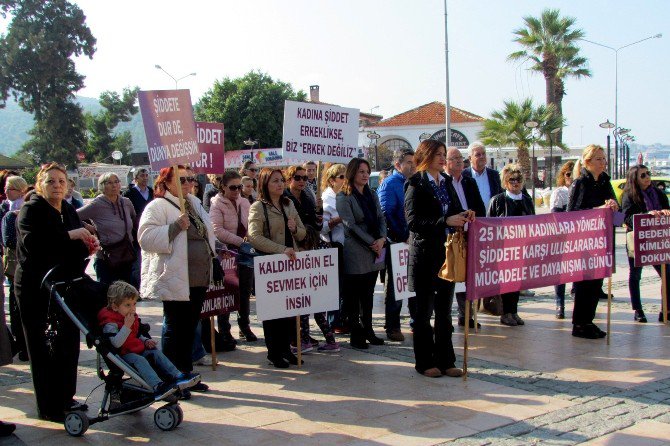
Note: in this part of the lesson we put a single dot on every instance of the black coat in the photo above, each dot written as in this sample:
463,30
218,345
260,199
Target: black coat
587,193
139,203
305,207
427,228
503,206
631,208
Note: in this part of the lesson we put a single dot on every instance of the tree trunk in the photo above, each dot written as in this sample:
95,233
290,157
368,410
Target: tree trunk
525,163
559,93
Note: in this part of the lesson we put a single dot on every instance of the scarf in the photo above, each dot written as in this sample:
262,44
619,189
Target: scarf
651,199
367,204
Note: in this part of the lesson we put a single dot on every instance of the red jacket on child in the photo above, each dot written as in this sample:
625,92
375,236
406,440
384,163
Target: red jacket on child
133,343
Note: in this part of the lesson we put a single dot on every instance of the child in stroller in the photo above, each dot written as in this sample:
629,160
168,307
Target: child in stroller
121,325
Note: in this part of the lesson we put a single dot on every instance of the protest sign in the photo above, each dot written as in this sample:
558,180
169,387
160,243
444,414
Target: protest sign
287,287
210,146
399,257
317,132
169,126
652,239
226,298
261,157
508,254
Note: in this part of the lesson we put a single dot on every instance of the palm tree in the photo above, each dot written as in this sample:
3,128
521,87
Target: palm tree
508,127
549,41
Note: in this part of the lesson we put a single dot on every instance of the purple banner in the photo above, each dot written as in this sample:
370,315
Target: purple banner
222,300
652,239
210,146
508,254
168,123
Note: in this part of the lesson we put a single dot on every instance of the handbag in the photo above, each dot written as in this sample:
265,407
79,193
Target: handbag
246,252
455,259
492,305
630,244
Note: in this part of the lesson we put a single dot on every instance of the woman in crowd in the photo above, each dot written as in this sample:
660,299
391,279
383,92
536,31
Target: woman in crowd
113,218
511,203
73,197
296,179
230,217
591,189
333,232
15,189
215,183
248,189
432,209
196,190
275,228
640,197
558,202
50,234
364,239
250,170
177,251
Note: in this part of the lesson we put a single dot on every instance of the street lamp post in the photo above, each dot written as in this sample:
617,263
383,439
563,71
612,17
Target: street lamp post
374,136
251,143
176,81
532,125
619,152
609,126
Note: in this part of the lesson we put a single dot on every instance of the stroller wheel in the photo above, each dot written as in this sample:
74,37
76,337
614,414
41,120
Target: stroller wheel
76,423
166,418
180,413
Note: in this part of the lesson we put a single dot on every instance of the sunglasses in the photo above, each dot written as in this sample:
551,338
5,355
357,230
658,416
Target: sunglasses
514,180
644,175
253,169
183,180
234,188
568,174
300,177
341,177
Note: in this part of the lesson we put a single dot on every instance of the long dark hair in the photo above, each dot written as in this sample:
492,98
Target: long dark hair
350,174
425,153
632,188
263,181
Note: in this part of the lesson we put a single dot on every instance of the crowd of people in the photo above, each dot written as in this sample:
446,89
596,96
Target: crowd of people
146,239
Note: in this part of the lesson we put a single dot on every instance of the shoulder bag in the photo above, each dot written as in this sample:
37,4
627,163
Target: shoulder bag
120,253
455,260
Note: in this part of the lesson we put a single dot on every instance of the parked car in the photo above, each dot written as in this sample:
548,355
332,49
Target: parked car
619,184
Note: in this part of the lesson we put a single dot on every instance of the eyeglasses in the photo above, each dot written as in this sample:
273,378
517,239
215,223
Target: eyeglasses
183,180
455,158
514,180
300,177
644,175
253,169
235,188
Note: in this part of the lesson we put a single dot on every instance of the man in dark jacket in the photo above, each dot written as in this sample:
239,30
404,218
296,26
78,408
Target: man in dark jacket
392,200
140,194
488,180
470,198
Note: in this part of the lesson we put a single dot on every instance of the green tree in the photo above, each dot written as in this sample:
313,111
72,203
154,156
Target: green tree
249,107
102,140
508,127
550,42
37,70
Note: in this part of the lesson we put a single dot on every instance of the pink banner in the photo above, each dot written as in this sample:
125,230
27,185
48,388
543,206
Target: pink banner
508,254
210,146
652,239
262,158
169,126
222,300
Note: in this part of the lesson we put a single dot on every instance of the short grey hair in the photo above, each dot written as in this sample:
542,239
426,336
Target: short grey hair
104,178
476,145
140,171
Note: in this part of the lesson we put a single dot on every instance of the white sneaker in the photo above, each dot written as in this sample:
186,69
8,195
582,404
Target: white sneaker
205,360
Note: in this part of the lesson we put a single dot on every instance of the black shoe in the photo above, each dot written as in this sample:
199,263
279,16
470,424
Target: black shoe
292,359
599,332
358,343
6,429
184,395
461,323
200,388
248,335
660,316
640,316
53,417
76,405
603,295
279,363
374,340
560,312
23,356
163,390
585,331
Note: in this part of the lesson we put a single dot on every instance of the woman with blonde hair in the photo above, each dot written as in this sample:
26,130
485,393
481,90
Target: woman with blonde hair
591,189
559,203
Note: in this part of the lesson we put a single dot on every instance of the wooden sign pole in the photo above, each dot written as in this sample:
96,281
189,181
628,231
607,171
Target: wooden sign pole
465,341
609,308
298,342
664,294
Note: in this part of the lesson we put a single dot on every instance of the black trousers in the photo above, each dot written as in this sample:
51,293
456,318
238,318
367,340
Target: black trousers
15,318
587,294
53,367
246,277
181,319
360,289
434,350
277,333
510,302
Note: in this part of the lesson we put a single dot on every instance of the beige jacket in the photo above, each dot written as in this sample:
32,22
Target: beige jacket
257,229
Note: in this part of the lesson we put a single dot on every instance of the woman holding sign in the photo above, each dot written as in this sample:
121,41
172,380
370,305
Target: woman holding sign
432,209
640,197
274,227
176,262
511,203
590,189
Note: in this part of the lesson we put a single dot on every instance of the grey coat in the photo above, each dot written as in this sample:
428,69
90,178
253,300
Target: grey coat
358,257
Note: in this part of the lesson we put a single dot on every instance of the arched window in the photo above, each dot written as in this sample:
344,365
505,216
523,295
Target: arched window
394,144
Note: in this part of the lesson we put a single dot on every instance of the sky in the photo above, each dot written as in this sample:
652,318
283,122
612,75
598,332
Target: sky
387,56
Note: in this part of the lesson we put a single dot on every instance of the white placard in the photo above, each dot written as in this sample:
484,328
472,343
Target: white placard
399,259
316,132
306,285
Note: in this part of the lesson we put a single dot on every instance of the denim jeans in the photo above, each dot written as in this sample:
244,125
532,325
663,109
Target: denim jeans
198,349
142,363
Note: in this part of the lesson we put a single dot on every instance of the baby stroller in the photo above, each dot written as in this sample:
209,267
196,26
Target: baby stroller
80,300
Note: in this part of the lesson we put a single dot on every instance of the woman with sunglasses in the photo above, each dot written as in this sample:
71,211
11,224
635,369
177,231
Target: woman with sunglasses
177,251
230,217
249,169
114,222
511,203
559,203
590,189
640,197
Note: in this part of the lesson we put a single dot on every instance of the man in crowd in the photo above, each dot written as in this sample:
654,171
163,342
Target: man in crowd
487,179
470,198
311,187
140,194
392,199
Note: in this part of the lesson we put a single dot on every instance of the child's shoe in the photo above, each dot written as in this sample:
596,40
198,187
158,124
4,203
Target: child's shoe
186,380
163,390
